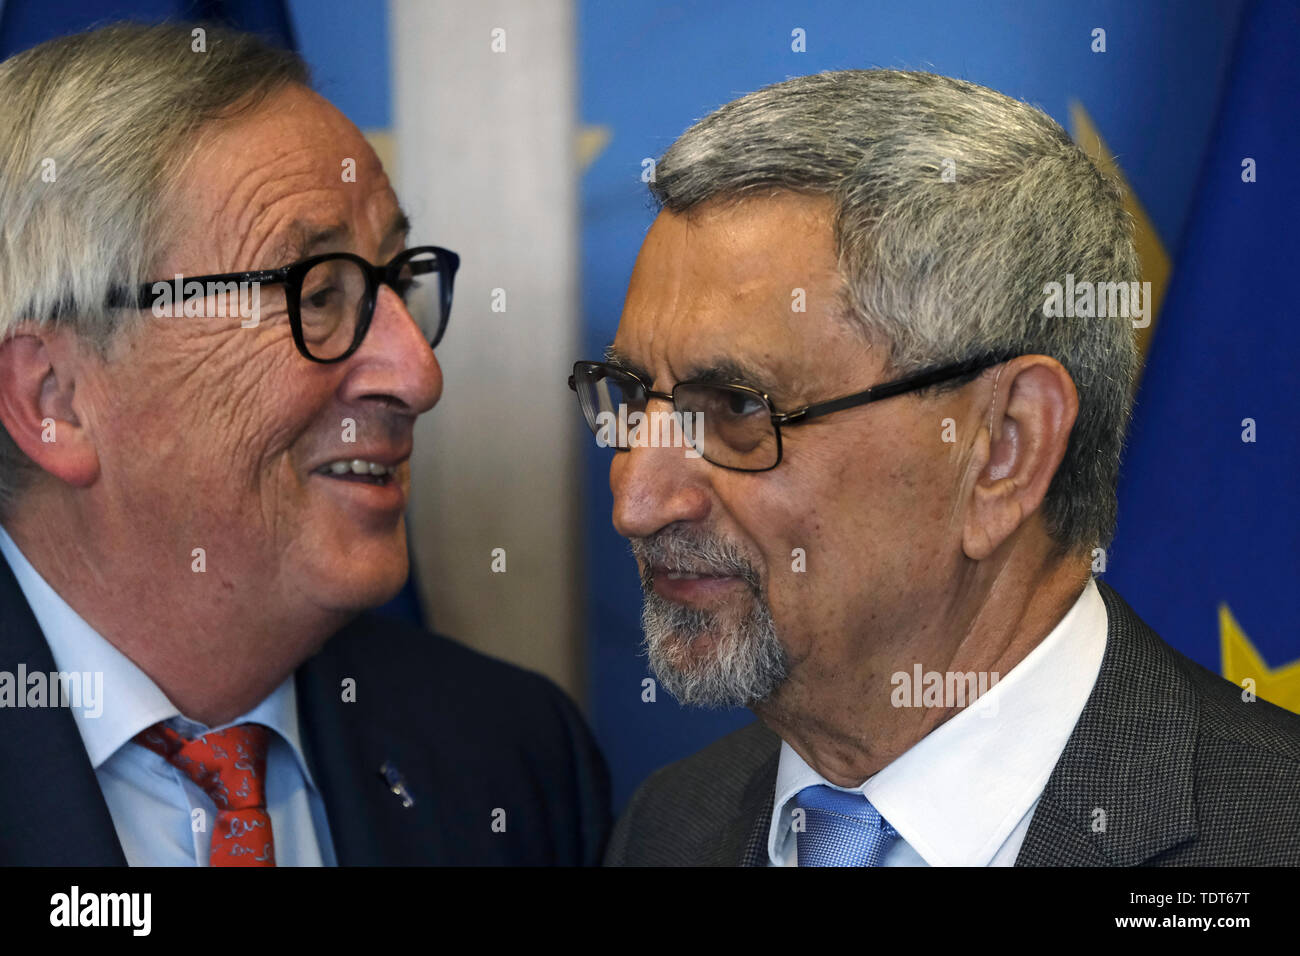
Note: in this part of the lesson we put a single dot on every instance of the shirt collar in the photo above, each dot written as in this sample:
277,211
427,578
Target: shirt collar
128,700
959,792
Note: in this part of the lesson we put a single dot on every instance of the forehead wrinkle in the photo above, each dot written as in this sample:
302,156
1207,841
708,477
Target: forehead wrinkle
262,244
240,191
270,184
262,229
677,314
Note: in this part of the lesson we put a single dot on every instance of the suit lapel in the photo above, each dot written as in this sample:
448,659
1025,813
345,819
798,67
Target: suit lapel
743,840
53,809
745,843
345,745
758,807
1121,792
339,756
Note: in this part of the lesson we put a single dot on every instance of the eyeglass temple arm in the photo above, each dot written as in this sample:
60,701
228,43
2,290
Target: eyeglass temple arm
119,298
910,383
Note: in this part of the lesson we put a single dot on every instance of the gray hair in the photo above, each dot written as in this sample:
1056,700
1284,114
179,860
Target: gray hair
94,131
941,270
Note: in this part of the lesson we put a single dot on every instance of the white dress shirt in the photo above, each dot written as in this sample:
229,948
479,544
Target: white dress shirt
151,802
965,793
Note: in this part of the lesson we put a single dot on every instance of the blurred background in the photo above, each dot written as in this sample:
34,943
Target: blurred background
516,133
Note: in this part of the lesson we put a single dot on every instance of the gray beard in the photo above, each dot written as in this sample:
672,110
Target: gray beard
745,664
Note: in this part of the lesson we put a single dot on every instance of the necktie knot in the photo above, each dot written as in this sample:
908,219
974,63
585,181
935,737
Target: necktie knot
230,767
840,829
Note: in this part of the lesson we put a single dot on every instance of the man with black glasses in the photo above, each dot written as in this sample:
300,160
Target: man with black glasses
213,350
880,536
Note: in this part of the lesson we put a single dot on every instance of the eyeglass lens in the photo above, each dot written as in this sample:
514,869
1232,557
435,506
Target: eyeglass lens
729,426
333,301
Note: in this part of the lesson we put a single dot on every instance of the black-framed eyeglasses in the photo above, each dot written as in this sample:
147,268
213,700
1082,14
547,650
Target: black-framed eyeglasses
330,298
735,425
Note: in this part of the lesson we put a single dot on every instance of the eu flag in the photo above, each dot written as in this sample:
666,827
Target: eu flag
1208,546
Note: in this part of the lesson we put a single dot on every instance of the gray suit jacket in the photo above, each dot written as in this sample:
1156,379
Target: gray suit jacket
1188,774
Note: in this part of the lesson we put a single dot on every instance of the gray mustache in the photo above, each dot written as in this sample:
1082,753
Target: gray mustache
693,554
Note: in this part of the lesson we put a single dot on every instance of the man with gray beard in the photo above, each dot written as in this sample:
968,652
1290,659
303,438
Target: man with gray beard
881,537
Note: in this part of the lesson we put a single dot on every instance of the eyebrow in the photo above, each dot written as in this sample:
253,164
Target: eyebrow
616,358
717,371
399,228
302,239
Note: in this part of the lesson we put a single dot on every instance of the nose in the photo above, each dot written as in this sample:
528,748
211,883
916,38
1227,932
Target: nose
656,486
395,359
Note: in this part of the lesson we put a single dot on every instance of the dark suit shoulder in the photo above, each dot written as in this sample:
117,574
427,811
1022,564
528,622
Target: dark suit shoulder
694,811
1247,778
1235,724
419,669
358,642
1254,725
480,731
1242,757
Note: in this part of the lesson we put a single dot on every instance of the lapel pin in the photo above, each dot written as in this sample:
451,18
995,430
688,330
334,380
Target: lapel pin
396,783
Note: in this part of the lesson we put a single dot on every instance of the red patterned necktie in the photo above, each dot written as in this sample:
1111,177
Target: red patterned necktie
230,767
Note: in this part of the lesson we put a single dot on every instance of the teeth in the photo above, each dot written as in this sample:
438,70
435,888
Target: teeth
681,576
357,466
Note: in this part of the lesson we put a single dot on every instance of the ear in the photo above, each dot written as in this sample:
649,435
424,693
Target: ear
39,369
1032,409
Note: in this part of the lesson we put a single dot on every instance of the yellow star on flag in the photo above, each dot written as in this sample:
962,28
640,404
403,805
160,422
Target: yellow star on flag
1241,661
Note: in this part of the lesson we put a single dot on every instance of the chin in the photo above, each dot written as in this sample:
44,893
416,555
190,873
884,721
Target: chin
363,580
706,660
357,596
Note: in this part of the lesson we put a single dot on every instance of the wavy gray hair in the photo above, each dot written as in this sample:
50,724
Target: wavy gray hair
94,130
943,270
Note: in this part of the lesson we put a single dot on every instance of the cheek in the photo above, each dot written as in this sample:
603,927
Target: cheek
841,527
250,400
794,527
815,563
204,423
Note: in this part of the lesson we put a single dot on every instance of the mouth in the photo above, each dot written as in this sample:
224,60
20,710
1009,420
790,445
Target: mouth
692,586
359,470
370,489
671,574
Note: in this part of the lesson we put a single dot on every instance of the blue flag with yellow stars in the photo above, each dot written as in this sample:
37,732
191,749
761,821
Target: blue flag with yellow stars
1208,546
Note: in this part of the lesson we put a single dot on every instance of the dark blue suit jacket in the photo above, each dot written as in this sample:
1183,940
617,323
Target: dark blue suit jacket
468,734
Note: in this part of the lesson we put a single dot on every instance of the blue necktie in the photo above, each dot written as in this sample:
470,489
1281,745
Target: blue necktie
840,829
